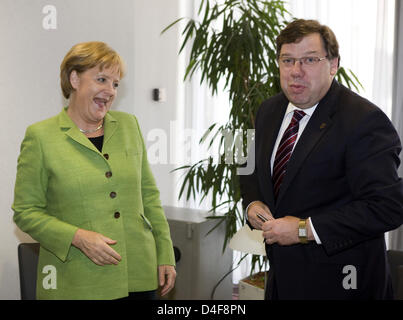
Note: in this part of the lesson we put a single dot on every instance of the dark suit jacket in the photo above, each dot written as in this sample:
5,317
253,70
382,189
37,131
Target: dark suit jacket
342,174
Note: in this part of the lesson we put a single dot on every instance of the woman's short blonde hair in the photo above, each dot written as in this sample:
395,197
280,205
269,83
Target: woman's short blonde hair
84,56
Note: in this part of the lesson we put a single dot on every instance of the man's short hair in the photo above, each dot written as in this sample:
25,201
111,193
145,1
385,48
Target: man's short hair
300,28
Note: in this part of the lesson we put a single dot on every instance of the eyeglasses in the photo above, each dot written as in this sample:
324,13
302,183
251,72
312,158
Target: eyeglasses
308,61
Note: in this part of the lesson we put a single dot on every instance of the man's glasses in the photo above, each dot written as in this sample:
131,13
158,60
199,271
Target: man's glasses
308,61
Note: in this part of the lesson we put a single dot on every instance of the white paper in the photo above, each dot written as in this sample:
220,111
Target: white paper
248,241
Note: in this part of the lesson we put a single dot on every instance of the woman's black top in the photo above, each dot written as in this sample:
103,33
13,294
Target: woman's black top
97,142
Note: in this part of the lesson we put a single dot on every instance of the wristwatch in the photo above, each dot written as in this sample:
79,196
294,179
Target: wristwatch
302,231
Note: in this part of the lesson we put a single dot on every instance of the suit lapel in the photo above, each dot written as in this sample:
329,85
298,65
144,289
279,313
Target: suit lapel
274,120
71,130
317,126
110,126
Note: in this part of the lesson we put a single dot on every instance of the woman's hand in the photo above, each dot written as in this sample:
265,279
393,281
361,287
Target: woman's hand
96,247
166,275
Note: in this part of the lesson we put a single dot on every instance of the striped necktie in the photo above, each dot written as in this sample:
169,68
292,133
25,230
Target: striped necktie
284,150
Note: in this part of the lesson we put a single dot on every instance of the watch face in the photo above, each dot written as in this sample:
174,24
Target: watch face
302,232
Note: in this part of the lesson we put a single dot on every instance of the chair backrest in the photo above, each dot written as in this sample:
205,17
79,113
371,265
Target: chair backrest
28,262
399,289
395,258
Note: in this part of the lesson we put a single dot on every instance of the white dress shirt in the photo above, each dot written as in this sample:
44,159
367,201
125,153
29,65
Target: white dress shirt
286,122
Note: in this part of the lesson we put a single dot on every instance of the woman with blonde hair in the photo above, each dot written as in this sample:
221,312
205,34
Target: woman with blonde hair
85,191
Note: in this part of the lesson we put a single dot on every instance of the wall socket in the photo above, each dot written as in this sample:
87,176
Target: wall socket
159,95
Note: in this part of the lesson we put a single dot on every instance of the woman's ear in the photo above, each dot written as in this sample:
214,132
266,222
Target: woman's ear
74,79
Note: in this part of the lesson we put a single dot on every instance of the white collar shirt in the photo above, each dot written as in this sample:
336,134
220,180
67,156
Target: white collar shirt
286,121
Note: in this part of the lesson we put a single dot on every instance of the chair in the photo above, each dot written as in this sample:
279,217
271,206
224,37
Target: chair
177,254
28,262
395,258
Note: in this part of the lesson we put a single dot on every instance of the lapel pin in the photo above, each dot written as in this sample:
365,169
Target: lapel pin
323,125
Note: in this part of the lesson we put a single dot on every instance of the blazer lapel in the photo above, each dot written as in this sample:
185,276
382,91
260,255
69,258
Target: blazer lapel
274,120
72,131
319,123
110,126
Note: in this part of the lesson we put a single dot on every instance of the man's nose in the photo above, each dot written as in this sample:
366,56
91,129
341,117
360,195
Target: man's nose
297,69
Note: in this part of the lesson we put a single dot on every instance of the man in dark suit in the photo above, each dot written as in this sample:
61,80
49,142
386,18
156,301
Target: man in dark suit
325,178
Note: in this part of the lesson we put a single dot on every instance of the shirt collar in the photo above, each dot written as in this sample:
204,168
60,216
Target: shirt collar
308,111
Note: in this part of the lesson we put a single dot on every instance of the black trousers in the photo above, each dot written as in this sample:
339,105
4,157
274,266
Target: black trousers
143,295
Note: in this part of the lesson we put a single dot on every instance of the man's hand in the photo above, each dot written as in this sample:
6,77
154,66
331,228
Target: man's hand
283,231
166,275
255,208
96,247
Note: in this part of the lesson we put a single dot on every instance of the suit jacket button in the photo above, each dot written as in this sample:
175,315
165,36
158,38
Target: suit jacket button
112,194
116,215
106,156
108,174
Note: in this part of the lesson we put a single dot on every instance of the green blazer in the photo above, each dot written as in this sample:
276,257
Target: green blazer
64,183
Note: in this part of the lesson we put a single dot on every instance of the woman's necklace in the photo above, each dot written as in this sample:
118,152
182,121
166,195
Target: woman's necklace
92,131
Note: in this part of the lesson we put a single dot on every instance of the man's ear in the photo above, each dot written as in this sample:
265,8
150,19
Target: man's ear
74,79
334,66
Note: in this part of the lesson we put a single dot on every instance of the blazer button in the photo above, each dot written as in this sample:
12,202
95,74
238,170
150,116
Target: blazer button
106,156
108,174
116,215
112,194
